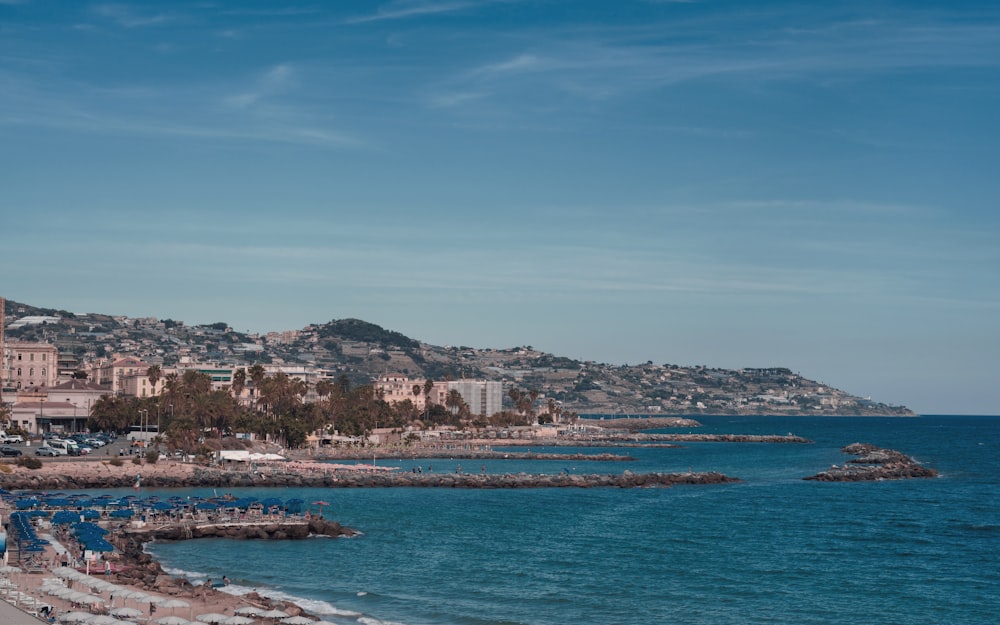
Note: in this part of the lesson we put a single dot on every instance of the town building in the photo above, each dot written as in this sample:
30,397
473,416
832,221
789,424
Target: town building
81,393
40,416
483,397
28,365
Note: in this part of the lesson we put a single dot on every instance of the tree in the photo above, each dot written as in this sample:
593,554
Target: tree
456,404
154,373
428,387
324,388
257,375
239,382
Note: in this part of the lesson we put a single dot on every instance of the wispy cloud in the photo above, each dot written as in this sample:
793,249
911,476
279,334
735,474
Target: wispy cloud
403,9
191,111
600,63
128,17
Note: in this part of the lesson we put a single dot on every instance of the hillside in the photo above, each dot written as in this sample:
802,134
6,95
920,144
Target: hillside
361,351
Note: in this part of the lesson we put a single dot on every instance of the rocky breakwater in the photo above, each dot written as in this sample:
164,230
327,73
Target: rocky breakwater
874,463
71,481
731,438
467,480
138,568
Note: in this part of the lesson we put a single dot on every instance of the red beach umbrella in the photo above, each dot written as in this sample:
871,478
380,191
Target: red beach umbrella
320,504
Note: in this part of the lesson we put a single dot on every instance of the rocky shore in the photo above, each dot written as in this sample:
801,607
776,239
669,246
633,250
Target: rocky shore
140,570
874,463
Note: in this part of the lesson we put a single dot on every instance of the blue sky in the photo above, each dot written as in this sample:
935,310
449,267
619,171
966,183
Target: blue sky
800,184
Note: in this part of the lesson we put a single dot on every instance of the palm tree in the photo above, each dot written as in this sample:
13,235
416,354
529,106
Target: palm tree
154,373
257,375
428,387
239,382
324,388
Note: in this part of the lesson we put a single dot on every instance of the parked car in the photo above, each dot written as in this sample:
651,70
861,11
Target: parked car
47,451
7,450
13,438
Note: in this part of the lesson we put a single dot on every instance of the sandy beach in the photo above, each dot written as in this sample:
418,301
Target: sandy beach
58,585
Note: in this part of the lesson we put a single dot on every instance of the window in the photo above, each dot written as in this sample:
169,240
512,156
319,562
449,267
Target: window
32,358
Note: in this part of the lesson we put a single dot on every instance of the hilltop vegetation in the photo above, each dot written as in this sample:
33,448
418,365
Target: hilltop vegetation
358,351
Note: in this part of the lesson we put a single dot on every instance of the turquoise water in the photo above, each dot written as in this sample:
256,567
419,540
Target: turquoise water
773,549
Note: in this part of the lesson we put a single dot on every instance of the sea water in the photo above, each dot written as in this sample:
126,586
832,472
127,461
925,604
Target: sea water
771,549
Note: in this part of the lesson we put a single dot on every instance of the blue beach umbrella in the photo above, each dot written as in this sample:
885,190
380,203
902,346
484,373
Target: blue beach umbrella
99,544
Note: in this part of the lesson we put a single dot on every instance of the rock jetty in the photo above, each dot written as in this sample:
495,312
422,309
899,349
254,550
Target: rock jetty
139,569
210,477
874,463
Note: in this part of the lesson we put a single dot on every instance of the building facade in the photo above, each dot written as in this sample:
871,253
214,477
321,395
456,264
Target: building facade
29,365
483,397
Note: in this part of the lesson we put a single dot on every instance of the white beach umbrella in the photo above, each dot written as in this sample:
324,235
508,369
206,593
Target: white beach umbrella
212,617
173,603
126,612
75,596
92,599
171,620
101,619
60,591
75,617
8,569
237,620
274,614
248,610
124,593
297,620
65,572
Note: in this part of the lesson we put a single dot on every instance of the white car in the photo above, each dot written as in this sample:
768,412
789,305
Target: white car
13,438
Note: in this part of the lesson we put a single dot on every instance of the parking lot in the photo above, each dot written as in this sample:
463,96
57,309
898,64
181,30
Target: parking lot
119,448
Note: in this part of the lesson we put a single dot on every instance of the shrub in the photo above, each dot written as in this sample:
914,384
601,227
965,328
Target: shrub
115,462
152,457
136,460
28,462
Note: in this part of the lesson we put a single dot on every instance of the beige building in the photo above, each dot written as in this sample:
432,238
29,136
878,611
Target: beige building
28,365
48,416
483,397
117,371
80,393
394,388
